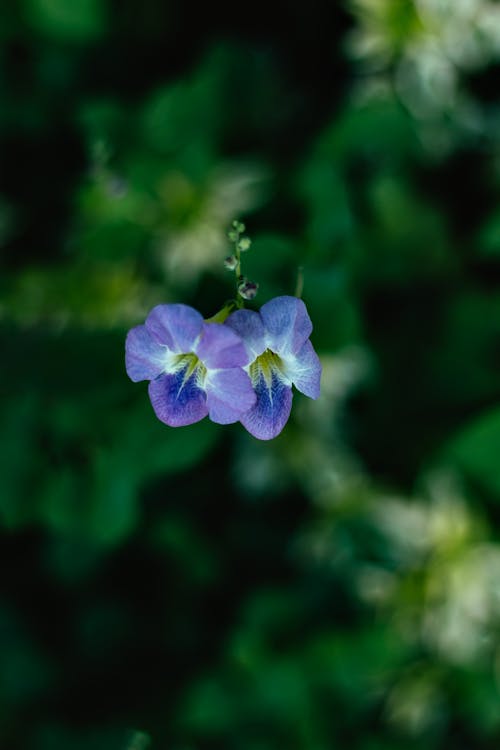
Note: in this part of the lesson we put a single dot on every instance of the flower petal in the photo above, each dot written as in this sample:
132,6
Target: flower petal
144,357
229,395
304,370
248,324
176,401
287,324
219,347
178,326
267,418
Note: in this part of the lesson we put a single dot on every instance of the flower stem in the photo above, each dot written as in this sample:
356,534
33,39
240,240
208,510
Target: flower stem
299,287
240,302
234,236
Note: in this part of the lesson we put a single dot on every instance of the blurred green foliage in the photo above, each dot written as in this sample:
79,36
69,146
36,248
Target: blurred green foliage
194,588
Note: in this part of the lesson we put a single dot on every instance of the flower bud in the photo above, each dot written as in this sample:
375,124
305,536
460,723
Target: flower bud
244,244
230,262
239,226
247,289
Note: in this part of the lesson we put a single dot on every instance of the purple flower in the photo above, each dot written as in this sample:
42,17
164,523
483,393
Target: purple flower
277,340
195,368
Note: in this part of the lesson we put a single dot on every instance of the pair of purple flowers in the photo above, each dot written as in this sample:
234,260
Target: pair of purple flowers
240,370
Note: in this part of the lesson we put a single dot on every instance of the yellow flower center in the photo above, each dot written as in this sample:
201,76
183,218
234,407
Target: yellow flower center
267,363
190,363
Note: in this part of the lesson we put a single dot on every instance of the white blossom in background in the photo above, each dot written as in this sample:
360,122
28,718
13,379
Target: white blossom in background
421,49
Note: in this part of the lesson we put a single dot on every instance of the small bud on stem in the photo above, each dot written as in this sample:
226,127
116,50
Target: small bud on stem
245,289
244,244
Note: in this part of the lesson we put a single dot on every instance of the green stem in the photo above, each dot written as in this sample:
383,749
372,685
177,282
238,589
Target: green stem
237,271
299,287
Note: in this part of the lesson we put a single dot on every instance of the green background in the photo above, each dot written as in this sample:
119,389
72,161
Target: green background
194,588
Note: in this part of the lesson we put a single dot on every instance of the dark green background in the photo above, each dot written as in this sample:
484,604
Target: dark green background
193,588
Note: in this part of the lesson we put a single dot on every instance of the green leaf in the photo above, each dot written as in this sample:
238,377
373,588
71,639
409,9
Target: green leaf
476,450
75,20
